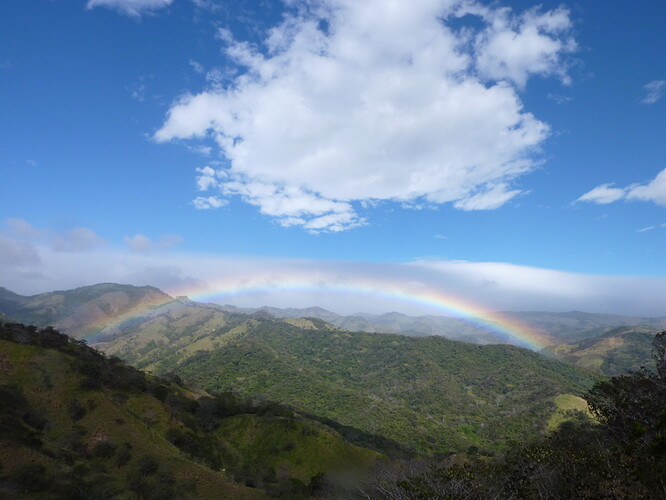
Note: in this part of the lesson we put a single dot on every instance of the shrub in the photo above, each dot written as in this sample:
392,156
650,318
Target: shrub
104,449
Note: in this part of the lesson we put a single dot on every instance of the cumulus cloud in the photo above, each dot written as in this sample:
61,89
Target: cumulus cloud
655,90
349,103
133,8
654,191
208,178
516,47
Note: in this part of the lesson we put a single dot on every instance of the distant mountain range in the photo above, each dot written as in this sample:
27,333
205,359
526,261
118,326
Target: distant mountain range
100,311
565,326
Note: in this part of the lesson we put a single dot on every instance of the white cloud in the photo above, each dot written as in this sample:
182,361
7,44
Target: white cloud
207,203
139,243
133,8
197,67
516,47
603,194
487,199
209,178
390,102
645,229
212,5
654,191
655,90
78,239
559,99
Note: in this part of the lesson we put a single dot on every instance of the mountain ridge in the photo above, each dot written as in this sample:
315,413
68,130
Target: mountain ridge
88,311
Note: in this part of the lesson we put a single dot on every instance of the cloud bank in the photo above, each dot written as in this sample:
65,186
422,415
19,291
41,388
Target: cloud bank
30,265
349,102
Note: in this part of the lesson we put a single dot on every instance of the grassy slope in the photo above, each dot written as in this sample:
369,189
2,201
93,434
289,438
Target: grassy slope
48,381
619,351
567,405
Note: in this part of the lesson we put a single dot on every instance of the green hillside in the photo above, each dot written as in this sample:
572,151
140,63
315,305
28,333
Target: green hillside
429,394
619,351
76,424
621,454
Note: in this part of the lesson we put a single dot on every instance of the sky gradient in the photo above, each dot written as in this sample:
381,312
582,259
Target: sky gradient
509,154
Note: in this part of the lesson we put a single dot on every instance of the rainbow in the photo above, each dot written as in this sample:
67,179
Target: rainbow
508,329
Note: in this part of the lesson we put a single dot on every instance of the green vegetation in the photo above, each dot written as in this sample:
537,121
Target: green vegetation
429,394
616,352
622,454
77,424
568,407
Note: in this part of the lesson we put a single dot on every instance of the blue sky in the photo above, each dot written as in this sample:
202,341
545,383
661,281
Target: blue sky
148,135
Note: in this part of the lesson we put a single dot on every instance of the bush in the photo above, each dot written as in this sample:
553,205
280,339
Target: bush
31,477
76,410
104,449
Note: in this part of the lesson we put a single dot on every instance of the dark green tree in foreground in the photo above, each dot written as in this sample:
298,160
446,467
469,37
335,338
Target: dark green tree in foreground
621,455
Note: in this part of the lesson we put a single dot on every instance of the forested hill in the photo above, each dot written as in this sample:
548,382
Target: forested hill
429,393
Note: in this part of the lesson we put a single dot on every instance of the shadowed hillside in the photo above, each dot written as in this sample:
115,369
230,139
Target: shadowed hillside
76,424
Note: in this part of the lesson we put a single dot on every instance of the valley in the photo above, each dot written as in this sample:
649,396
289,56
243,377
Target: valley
294,400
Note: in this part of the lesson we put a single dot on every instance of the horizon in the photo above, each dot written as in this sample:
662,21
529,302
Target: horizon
506,156
360,313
